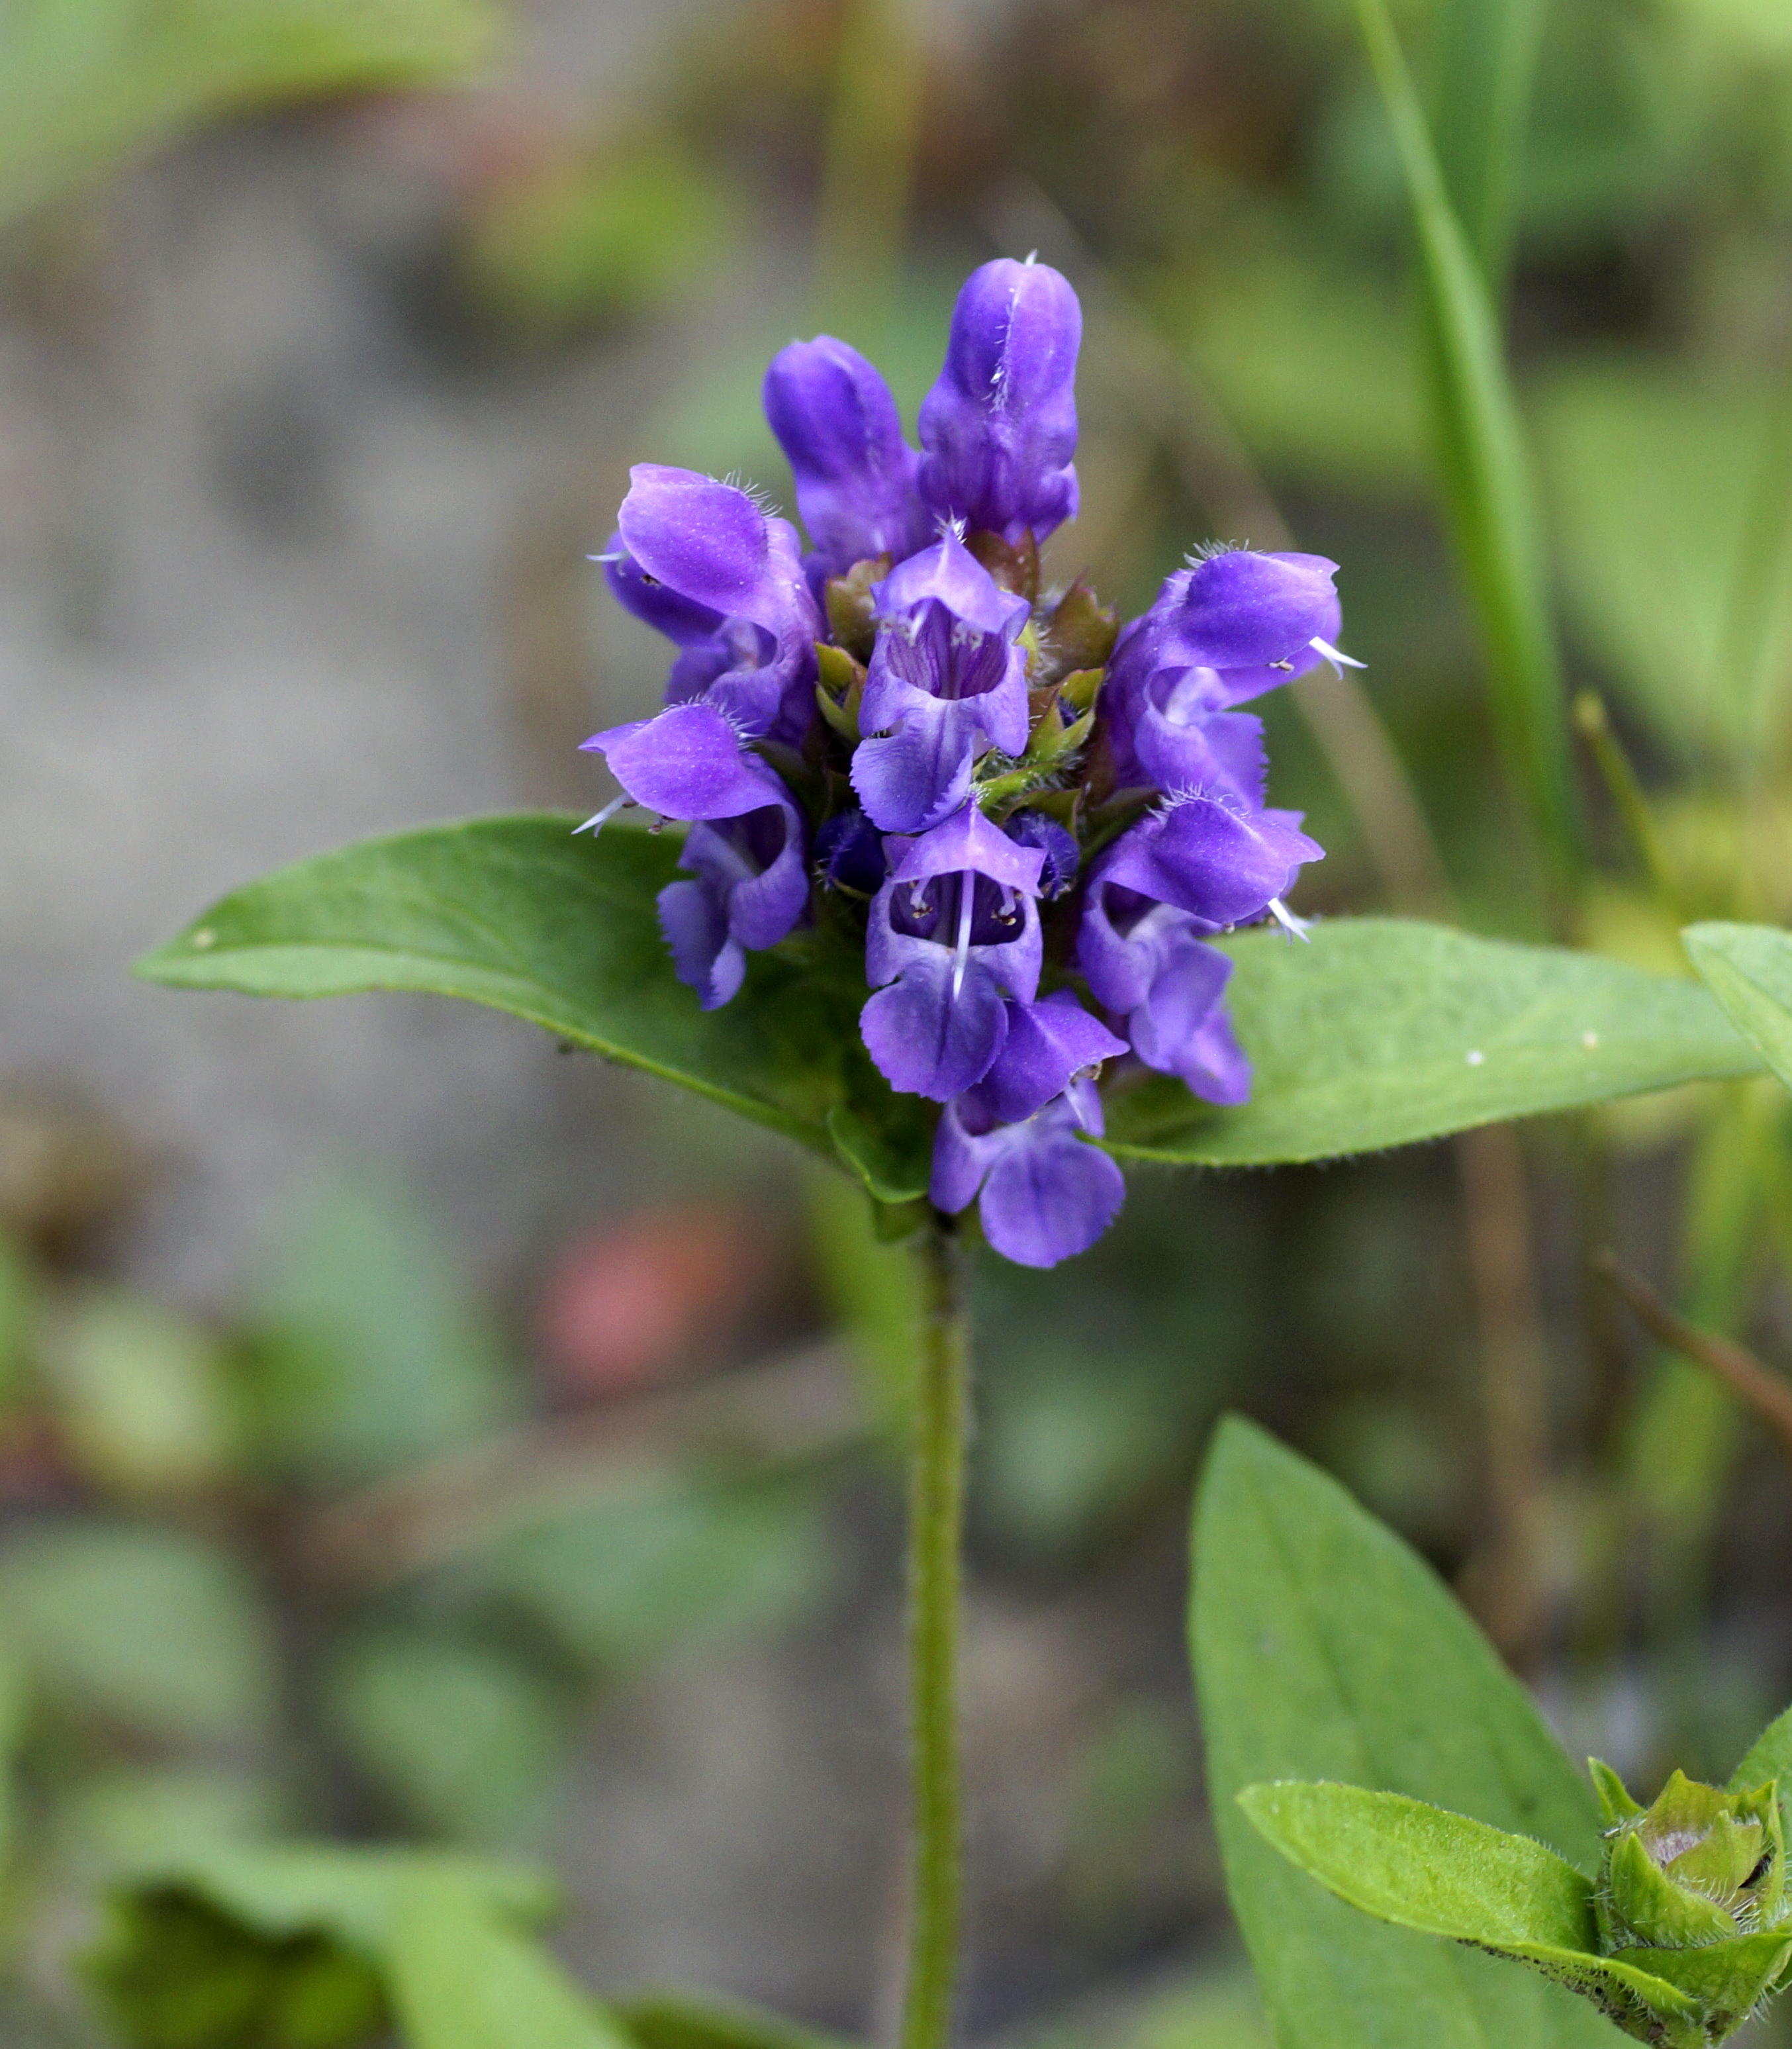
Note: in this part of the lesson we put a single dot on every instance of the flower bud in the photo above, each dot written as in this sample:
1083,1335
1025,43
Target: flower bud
1692,1890
1698,1867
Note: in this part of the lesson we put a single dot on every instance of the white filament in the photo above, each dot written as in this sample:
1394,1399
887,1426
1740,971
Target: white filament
595,823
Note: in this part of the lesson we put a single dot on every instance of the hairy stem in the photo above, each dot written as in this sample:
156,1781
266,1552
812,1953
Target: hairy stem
935,1528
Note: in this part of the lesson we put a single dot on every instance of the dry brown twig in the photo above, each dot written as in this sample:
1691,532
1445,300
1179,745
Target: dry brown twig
1766,1395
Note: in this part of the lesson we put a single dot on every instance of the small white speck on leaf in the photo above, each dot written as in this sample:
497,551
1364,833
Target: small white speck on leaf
1589,1039
205,937
1475,1058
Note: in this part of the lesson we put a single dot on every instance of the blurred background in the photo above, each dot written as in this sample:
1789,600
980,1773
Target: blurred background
406,1431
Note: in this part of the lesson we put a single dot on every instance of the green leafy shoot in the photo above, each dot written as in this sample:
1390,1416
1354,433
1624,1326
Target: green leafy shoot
1489,492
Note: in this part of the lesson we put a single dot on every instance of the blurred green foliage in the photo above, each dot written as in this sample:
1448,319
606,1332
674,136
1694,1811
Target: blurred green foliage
84,83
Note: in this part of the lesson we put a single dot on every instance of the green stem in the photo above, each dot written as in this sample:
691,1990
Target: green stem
936,1531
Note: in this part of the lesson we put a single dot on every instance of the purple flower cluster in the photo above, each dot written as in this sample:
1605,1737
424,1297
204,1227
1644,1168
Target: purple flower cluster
1037,820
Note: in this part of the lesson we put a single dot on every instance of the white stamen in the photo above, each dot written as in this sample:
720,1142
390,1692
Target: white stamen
960,954
1339,660
1296,928
595,823
615,555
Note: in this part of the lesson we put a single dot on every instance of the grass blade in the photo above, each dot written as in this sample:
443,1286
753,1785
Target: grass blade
1489,495
1485,61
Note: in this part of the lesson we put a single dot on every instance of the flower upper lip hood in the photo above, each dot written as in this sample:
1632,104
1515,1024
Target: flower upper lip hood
712,545
1211,857
949,574
947,681
856,474
999,427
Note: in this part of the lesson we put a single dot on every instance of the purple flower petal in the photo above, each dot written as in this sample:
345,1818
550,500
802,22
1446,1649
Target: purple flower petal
688,763
655,603
855,474
849,850
1046,1194
1218,862
707,542
948,574
945,683
968,840
1058,847
705,956
1048,1045
926,1041
912,779
1180,747
1000,425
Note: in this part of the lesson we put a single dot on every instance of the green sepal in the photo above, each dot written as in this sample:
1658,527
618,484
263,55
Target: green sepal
1726,1981
851,614
1614,1801
893,1161
839,691
1639,1900
1081,687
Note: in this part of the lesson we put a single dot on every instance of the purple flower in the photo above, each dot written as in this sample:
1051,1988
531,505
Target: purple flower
688,763
835,421
1049,1045
1210,857
1000,425
750,887
946,681
708,567
849,852
1061,855
1241,614
1045,1194
1145,963
952,932
1220,631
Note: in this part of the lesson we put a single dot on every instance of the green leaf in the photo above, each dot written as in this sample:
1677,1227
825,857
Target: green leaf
282,1889
265,1946
651,1565
1768,1756
138,1393
1383,1031
369,1349
18,1299
1422,1867
462,1980
1748,968
152,1629
1488,490
1324,1648
1679,584
683,2020
516,914
86,84
464,1739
